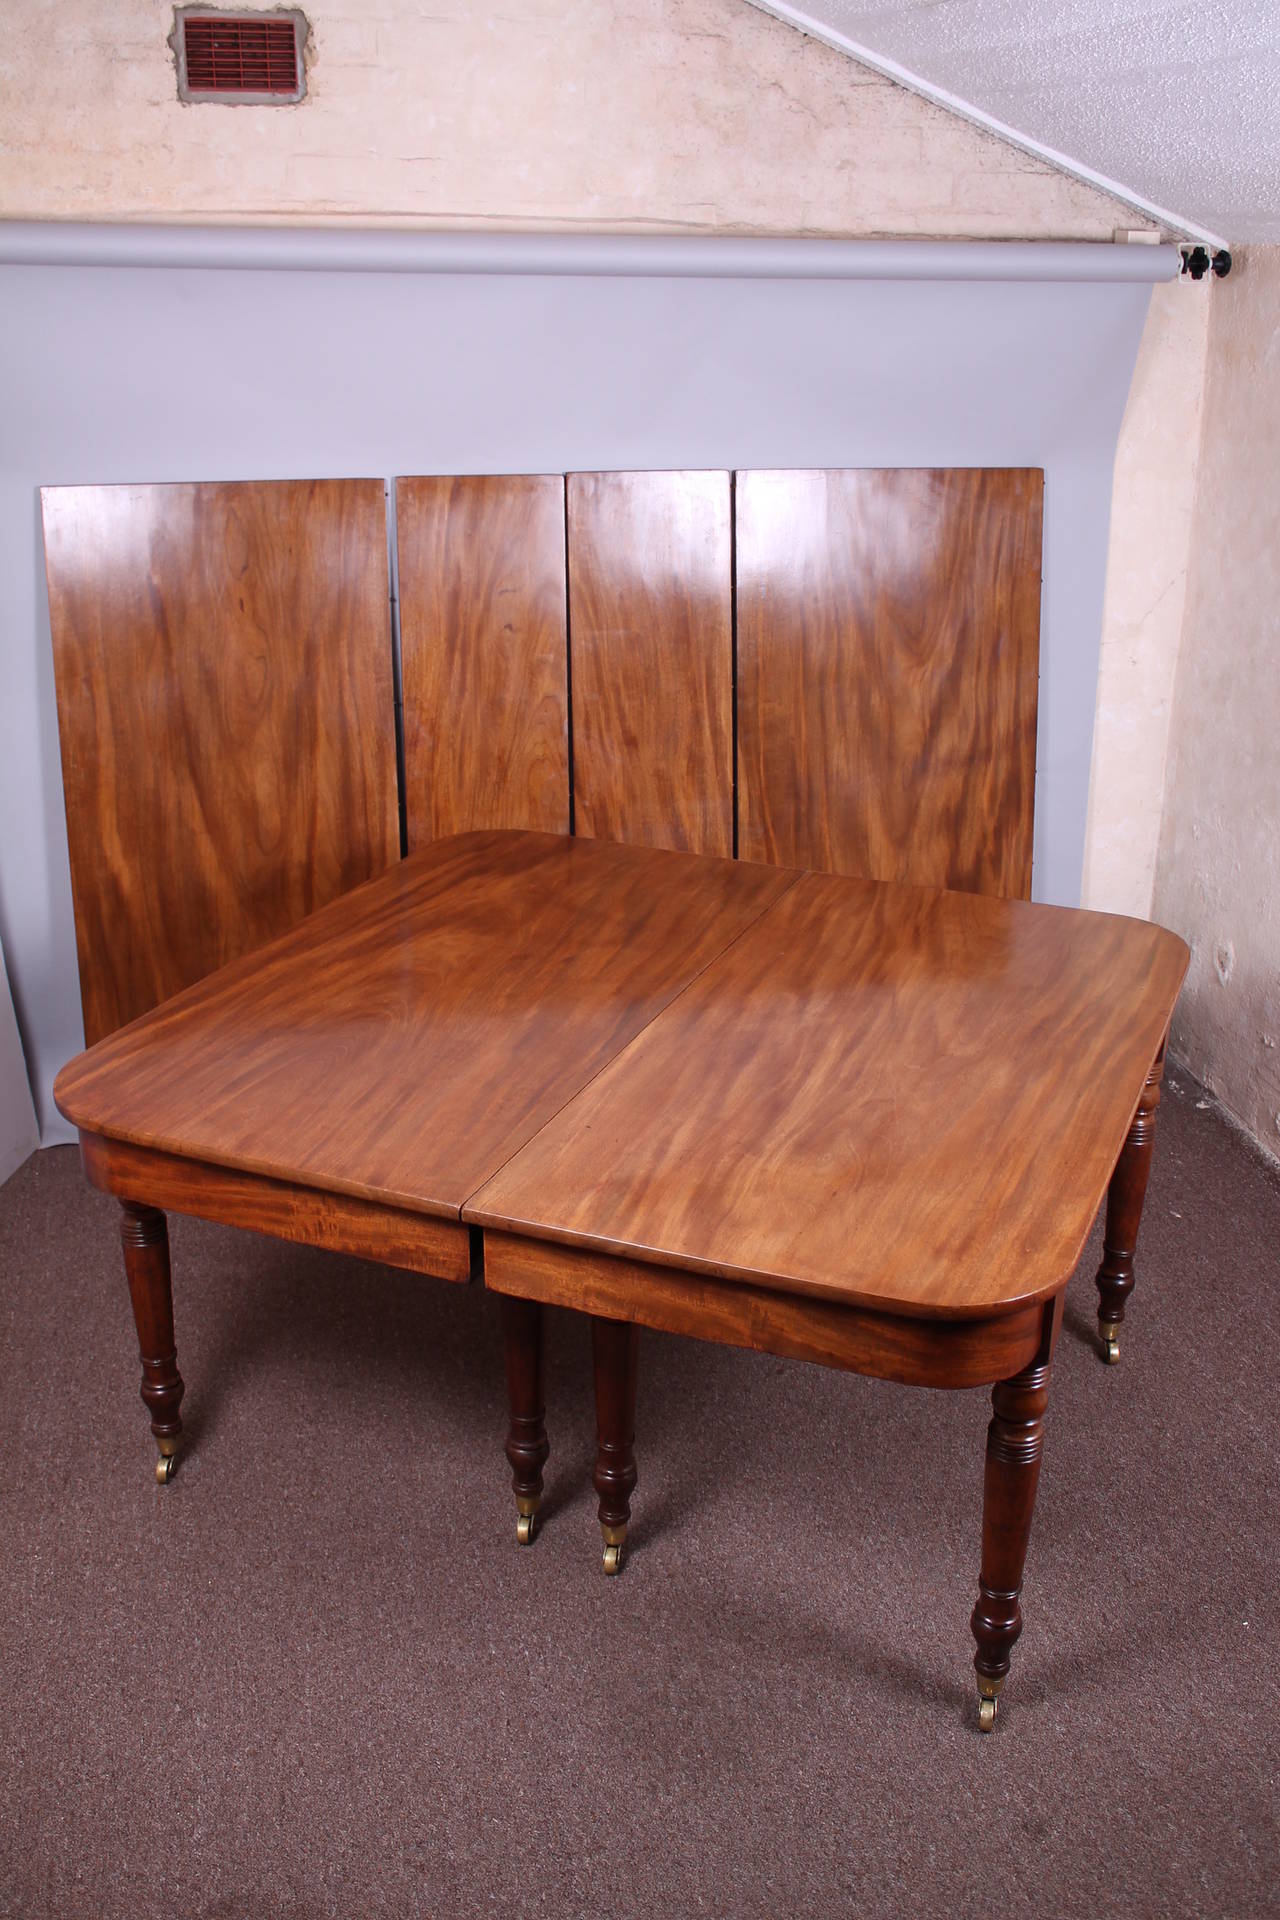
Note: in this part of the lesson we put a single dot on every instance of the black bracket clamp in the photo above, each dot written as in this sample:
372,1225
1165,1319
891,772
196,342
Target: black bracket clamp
1197,261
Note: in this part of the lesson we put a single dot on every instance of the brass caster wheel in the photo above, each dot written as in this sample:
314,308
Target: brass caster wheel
166,1467
526,1527
1110,1332
613,1557
987,1712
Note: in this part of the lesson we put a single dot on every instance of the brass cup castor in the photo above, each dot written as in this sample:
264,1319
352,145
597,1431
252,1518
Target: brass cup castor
988,1701
1109,1331
167,1464
526,1521
615,1539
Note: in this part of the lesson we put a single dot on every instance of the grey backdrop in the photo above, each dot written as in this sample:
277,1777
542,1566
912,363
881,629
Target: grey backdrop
385,354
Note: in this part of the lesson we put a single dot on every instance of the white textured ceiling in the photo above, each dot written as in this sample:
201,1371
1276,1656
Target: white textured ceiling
1177,105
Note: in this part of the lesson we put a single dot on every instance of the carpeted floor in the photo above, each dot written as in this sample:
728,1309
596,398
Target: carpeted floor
316,1675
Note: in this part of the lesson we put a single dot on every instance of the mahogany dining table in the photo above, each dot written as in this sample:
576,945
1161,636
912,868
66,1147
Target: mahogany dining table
865,1124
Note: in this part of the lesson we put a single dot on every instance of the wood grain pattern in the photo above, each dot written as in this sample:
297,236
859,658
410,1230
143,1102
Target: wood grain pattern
393,1236
616,1366
144,1240
484,652
527,1448
918,1353
1015,1441
223,665
404,1041
900,1098
1125,1196
888,654
651,649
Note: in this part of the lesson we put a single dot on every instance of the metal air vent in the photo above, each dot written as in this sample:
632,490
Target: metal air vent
240,58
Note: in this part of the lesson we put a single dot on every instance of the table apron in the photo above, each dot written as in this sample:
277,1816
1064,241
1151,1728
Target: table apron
340,1222
907,1349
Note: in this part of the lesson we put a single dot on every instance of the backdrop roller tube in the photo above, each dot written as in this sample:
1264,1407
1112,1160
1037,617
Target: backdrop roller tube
674,256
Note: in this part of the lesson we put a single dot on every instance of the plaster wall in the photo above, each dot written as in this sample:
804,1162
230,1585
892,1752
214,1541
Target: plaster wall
1150,548
1218,875
702,115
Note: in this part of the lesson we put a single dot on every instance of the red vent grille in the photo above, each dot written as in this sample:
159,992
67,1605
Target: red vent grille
226,54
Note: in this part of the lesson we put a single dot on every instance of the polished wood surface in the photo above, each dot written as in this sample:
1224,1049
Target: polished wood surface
394,1236
1015,1442
860,1124
914,1352
405,1041
615,1350
484,652
651,650
144,1236
901,1098
887,662
527,1445
1125,1195
225,704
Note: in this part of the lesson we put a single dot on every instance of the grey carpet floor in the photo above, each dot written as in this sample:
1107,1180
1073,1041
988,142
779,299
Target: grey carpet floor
317,1676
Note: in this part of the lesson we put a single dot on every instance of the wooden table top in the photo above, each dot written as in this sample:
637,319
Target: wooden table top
883,1095
403,1042
861,1092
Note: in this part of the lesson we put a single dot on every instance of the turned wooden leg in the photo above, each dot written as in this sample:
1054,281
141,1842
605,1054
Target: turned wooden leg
616,1346
145,1238
1014,1440
527,1444
1125,1196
